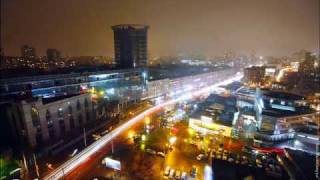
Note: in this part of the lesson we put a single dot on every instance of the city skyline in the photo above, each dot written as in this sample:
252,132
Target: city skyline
208,28
172,89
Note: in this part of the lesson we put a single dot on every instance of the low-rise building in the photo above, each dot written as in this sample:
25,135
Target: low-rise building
38,122
216,115
254,75
280,113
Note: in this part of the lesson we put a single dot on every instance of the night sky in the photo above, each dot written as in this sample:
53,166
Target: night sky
208,27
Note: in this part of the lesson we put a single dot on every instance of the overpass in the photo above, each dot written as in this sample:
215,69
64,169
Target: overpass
83,156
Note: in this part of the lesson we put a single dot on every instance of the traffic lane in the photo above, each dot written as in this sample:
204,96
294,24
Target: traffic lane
64,155
96,158
135,163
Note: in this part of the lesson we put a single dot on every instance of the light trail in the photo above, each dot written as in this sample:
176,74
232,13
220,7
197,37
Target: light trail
282,72
83,156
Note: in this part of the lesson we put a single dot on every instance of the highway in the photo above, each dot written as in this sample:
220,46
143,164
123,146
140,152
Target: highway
85,154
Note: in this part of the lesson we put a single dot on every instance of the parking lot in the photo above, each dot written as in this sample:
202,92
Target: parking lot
171,150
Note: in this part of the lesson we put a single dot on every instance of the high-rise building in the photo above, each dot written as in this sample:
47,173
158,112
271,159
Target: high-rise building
130,45
53,55
254,74
28,52
2,59
308,64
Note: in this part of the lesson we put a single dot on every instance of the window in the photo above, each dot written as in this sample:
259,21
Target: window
35,116
80,119
70,109
51,133
39,138
62,126
87,115
71,121
49,119
86,104
78,105
60,112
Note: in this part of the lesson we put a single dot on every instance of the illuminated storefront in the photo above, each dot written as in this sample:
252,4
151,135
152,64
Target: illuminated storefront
206,125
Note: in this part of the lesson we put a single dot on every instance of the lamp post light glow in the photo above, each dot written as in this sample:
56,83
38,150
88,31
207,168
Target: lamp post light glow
172,140
101,93
147,120
143,137
93,91
131,134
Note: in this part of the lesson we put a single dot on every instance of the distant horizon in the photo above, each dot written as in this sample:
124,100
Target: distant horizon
208,27
166,55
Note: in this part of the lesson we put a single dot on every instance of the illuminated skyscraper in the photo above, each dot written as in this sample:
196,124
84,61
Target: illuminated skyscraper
130,45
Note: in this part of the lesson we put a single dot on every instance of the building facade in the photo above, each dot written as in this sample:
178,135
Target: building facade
130,45
115,84
35,122
279,114
181,85
254,75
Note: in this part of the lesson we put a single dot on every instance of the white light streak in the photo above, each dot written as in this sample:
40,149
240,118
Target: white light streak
85,154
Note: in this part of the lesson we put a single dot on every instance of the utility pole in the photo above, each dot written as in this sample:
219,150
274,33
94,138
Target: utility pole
112,147
36,165
25,163
84,137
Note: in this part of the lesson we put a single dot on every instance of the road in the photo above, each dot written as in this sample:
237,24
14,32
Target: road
92,150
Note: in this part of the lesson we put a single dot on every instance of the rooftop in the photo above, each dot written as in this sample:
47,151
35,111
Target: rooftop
282,95
58,98
282,113
176,71
127,26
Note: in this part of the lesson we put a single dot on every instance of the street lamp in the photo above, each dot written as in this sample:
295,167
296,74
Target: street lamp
172,140
131,134
143,137
147,120
101,93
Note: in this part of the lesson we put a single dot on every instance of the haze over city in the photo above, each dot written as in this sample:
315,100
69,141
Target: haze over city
178,27
159,89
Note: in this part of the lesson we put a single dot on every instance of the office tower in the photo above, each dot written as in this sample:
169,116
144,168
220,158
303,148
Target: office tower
53,55
130,45
28,52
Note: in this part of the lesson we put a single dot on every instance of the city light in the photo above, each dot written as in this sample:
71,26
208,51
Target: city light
143,137
177,98
131,134
147,120
172,140
208,174
92,90
82,156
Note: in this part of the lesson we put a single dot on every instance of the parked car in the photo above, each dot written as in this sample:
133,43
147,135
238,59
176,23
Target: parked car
200,157
184,176
218,156
224,157
166,171
193,172
230,159
171,173
178,174
150,151
161,154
